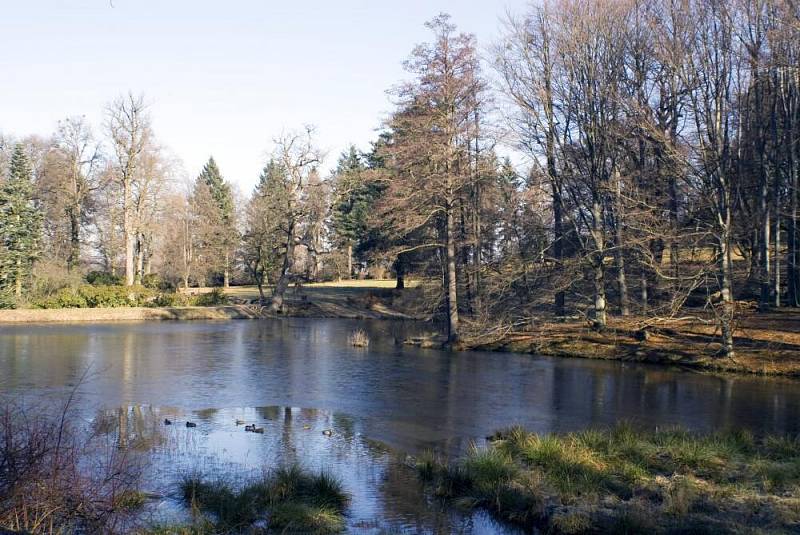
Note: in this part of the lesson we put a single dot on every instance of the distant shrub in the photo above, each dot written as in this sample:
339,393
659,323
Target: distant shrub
154,281
49,277
215,297
103,278
169,299
89,296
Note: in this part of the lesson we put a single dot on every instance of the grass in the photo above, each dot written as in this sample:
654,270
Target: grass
626,480
289,499
358,338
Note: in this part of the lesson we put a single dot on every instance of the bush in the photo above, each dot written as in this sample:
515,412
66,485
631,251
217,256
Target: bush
88,296
170,300
51,277
49,483
155,281
215,297
103,278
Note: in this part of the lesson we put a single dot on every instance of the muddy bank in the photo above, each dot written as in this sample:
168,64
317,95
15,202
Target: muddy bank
70,315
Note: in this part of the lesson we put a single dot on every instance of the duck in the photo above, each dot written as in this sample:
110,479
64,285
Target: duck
328,432
239,422
253,429
167,421
306,427
191,424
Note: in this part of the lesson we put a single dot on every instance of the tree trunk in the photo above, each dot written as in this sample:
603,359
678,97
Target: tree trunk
349,260
276,305
644,297
598,267
400,271
726,291
130,235
74,238
139,259
619,255
452,293
558,243
764,243
18,279
226,271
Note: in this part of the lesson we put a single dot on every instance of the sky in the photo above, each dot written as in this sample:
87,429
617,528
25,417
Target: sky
221,78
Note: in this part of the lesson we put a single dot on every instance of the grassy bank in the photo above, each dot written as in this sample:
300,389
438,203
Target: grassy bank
627,481
84,315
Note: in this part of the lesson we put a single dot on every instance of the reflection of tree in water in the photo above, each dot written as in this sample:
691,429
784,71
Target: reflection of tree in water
206,415
137,427
269,413
404,500
344,424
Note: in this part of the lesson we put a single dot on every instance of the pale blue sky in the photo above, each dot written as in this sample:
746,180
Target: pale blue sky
222,78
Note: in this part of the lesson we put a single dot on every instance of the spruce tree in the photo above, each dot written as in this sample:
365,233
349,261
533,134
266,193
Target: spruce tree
222,236
355,197
20,226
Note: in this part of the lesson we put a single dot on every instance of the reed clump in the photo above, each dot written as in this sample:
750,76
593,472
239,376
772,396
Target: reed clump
358,338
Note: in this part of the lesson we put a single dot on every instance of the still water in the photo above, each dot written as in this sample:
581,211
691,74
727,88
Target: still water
298,377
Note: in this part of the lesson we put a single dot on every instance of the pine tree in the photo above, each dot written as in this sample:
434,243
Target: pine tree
20,226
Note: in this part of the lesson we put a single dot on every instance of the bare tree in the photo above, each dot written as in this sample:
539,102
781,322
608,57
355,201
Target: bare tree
297,156
128,126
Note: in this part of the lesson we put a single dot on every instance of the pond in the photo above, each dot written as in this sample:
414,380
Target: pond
299,377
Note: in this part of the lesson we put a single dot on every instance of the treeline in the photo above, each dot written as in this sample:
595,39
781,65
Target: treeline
657,157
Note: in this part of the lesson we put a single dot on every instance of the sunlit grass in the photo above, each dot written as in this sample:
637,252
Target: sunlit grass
669,478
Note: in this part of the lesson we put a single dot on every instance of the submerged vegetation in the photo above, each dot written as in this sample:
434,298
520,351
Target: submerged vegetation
624,480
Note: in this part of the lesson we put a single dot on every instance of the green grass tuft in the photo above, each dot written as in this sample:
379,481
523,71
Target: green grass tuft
317,499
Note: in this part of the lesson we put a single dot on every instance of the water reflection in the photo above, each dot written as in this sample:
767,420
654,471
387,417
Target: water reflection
385,492
407,397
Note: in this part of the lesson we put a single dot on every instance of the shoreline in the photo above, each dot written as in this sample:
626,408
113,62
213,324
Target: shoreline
103,315
776,352
762,346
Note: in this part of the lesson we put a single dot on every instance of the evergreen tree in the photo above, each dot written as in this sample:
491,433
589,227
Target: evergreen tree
355,195
261,244
20,226
219,188
213,199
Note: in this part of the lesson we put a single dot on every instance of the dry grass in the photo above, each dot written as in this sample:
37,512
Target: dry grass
766,343
358,338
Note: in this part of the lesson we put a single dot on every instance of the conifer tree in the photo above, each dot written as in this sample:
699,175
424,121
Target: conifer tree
217,217
20,226
352,203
